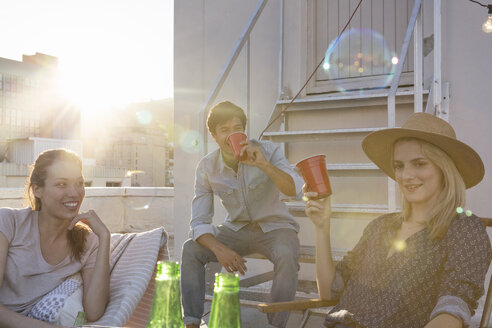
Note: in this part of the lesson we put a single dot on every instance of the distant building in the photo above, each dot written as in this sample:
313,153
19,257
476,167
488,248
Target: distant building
34,117
23,151
138,141
30,104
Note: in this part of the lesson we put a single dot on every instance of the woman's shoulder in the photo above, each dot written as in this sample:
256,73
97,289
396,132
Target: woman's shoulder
467,229
14,220
18,214
464,223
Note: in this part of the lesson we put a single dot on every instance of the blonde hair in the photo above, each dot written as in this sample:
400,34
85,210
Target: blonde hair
452,194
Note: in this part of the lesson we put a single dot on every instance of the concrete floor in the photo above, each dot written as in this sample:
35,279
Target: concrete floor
252,318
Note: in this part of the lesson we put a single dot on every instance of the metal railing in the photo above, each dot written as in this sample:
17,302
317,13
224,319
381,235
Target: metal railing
243,40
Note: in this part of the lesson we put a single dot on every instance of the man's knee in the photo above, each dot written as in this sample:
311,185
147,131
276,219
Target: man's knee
286,253
194,251
191,249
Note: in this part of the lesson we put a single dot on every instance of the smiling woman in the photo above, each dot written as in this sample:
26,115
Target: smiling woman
424,266
43,246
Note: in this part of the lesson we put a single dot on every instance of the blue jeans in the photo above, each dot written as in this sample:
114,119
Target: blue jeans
280,246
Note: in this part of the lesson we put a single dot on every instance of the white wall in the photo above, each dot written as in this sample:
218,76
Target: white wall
467,54
121,209
205,35
206,32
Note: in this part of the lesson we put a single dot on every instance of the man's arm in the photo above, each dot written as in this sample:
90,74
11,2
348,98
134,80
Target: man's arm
280,176
202,212
229,259
202,206
9,318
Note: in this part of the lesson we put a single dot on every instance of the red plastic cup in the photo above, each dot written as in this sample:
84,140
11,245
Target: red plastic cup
313,170
235,140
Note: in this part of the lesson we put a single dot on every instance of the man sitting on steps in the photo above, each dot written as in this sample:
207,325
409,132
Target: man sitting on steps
256,222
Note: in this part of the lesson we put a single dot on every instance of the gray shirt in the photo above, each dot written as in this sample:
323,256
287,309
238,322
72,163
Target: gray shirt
28,277
248,195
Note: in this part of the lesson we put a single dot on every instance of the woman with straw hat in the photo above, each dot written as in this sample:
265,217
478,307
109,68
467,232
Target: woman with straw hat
424,266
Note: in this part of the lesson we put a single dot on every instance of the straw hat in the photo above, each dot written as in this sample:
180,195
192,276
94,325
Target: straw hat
379,144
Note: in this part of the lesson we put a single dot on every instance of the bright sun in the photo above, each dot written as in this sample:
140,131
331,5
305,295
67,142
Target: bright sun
93,92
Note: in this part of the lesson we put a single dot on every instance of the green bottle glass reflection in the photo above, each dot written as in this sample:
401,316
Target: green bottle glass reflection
226,310
166,306
81,319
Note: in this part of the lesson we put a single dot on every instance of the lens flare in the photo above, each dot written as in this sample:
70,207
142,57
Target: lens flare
394,60
304,198
468,213
459,210
190,141
142,202
144,117
359,52
399,245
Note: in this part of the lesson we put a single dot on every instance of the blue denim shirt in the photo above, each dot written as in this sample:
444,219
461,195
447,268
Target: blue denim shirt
248,195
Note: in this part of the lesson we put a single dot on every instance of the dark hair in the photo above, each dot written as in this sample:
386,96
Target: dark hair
37,177
223,112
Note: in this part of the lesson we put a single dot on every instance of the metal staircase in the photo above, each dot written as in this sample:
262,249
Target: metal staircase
335,123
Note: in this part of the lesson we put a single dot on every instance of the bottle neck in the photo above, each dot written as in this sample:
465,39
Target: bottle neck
227,282
167,270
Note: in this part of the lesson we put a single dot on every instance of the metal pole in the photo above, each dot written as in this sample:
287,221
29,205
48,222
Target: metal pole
418,64
437,57
248,85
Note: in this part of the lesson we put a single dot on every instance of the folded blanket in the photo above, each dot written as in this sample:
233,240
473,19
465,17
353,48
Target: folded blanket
132,261
49,306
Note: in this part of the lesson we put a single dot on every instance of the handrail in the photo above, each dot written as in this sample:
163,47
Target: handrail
401,60
394,86
225,72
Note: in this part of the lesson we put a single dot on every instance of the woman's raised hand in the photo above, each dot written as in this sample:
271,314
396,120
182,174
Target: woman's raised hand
318,210
93,221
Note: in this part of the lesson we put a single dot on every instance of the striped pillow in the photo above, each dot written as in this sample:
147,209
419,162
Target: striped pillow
130,278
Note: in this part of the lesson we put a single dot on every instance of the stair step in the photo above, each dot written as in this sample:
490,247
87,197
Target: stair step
380,95
304,135
299,206
351,166
348,166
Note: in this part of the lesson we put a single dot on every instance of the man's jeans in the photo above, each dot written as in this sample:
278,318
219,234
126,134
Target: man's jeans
280,246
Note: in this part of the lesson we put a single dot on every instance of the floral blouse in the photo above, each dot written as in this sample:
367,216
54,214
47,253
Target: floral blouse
409,288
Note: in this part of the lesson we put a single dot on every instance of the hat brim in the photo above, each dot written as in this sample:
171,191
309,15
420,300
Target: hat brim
378,146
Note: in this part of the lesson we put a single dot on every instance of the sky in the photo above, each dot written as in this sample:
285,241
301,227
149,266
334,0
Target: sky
110,52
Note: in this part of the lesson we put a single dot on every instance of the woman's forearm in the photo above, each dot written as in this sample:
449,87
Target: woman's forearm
96,295
445,320
325,266
11,319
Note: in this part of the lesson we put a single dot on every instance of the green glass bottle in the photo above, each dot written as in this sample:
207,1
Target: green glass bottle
166,306
81,319
226,309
